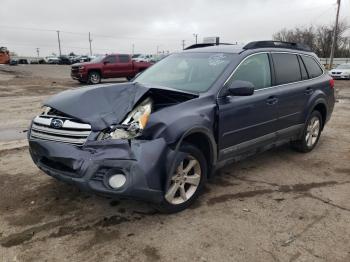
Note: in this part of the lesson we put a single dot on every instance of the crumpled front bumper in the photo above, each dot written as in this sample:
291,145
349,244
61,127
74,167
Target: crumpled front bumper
143,162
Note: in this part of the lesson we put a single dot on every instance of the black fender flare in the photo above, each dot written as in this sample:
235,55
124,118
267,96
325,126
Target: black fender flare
205,131
313,105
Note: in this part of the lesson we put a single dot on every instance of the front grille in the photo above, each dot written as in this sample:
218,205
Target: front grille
75,69
71,132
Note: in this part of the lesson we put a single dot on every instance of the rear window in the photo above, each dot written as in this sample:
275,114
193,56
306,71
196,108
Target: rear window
286,68
312,66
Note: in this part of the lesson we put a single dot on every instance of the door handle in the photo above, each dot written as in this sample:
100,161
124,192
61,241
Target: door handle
308,91
271,100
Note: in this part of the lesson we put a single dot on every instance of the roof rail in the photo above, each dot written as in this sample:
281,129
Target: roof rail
277,44
205,45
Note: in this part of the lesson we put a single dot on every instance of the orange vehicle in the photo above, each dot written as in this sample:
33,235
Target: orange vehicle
4,55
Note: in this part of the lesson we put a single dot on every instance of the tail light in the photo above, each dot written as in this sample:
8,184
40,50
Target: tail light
331,83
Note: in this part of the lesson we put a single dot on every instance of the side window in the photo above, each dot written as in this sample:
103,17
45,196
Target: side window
255,69
304,74
124,59
312,66
111,59
286,68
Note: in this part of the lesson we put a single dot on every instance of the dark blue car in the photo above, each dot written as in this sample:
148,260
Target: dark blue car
161,136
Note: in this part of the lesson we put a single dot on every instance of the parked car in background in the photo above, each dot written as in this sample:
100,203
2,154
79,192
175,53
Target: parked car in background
160,137
64,60
341,71
13,62
143,58
157,58
52,60
110,66
23,61
135,56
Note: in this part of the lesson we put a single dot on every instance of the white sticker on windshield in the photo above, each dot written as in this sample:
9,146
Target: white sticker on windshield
216,59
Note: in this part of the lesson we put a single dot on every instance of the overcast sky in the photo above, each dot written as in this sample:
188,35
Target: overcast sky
116,25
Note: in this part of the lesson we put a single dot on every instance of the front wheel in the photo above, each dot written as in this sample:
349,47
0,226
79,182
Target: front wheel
94,77
311,133
186,181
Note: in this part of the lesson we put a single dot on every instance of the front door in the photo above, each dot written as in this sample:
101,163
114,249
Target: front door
246,122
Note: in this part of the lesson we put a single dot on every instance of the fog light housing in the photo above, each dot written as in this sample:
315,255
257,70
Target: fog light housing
117,181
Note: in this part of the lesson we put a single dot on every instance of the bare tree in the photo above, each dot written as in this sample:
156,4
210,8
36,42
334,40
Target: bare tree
319,38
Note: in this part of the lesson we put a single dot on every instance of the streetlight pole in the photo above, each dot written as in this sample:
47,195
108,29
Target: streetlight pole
334,36
59,42
133,49
90,40
196,36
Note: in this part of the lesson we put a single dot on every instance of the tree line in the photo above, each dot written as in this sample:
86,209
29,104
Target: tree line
318,38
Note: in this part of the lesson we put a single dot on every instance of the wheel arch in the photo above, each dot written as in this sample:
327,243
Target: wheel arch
203,139
319,105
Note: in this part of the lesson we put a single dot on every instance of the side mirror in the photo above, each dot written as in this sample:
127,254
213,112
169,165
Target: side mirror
240,88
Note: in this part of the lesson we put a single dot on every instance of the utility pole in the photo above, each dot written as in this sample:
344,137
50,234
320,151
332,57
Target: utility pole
334,36
90,40
183,44
37,51
59,42
196,36
133,49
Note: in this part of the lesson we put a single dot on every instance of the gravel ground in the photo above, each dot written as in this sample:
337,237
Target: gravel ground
277,206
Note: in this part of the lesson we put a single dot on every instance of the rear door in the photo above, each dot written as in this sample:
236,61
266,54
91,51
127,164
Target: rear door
290,74
125,66
246,122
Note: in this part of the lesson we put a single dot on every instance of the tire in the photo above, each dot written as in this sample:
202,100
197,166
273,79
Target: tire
185,187
311,133
82,81
94,78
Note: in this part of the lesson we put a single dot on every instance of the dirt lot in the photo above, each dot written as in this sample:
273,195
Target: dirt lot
277,206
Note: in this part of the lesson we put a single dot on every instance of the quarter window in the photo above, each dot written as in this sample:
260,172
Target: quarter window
312,66
286,68
256,70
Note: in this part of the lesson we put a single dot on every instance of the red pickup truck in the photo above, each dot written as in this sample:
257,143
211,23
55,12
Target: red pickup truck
109,66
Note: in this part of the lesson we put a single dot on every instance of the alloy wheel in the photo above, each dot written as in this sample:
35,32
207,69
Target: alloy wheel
185,181
312,131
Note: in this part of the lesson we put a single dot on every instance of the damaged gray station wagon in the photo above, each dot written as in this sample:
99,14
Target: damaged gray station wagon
161,136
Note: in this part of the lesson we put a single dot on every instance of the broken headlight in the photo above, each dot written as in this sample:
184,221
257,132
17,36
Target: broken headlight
45,110
132,125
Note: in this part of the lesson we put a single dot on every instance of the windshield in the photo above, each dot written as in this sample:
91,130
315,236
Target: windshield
345,66
193,72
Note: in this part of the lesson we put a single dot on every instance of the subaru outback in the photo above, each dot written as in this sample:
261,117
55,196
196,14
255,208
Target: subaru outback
161,136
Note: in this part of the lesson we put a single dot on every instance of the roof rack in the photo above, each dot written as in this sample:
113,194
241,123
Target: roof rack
205,45
277,44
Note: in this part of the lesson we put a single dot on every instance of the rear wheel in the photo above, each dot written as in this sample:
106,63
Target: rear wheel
186,181
311,133
94,77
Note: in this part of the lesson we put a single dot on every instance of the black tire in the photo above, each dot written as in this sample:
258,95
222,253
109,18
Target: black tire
193,152
94,77
302,145
82,81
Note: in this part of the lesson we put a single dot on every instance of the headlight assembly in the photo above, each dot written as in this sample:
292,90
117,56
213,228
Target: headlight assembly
133,124
45,110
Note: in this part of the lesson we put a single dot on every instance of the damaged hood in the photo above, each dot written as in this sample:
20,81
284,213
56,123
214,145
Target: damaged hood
102,105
